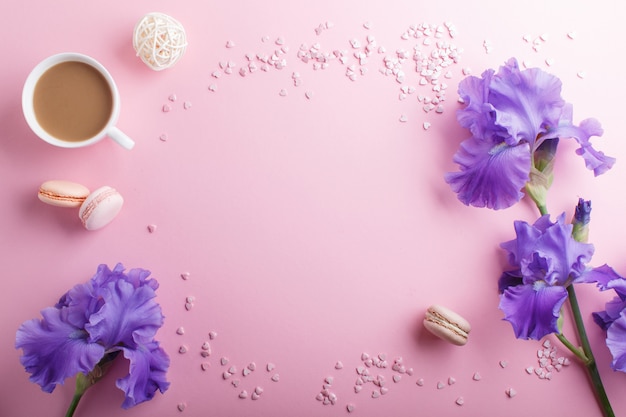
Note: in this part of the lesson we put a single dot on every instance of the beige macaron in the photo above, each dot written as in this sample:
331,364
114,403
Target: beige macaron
447,325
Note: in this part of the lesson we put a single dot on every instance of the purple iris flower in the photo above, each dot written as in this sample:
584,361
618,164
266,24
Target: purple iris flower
114,312
510,114
613,318
546,259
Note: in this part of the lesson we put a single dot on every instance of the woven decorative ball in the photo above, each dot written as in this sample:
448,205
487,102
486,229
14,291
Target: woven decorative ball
159,40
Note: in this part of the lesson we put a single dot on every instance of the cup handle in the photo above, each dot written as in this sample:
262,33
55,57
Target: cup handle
120,137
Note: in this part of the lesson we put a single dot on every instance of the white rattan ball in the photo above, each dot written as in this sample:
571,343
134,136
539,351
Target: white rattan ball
159,40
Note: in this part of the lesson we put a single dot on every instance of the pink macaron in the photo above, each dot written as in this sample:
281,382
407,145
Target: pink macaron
62,193
447,325
100,208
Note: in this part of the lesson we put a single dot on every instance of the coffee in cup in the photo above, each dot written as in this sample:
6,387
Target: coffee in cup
70,100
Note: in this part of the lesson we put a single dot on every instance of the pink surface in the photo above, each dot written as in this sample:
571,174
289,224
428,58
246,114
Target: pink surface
313,229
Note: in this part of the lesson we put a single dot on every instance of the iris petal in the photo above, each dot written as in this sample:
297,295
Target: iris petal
533,310
492,174
128,317
148,366
616,342
54,349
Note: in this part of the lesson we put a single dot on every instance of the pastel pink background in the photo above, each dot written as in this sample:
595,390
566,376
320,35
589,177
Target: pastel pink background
313,230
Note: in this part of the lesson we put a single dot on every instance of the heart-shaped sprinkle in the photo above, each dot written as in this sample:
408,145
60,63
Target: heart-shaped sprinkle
358,388
477,376
235,383
152,228
243,394
252,366
275,377
185,275
270,367
182,349
375,394
181,407
420,382
246,372
460,401
339,365
180,331
224,361
397,378
212,335
254,396
205,365
440,385
511,392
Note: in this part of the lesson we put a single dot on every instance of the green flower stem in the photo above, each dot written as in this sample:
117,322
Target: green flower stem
586,355
82,384
576,351
592,368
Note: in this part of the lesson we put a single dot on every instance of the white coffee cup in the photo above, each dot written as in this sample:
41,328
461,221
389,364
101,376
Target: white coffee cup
109,129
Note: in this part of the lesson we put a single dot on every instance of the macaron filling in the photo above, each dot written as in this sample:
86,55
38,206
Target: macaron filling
55,196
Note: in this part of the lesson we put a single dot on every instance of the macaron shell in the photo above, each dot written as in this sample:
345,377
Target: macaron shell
447,325
62,193
100,208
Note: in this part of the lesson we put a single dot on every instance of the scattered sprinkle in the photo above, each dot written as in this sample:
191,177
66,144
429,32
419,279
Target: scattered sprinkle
270,367
275,377
339,365
230,44
212,335
581,74
440,385
185,275
460,401
350,408
571,35
451,380
163,137
166,108
396,378
205,366
181,407
180,331
224,361
476,376
282,92
152,228
308,95
503,364
426,125
213,87
243,394
403,118
182,349
510,392
172,98
420,382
